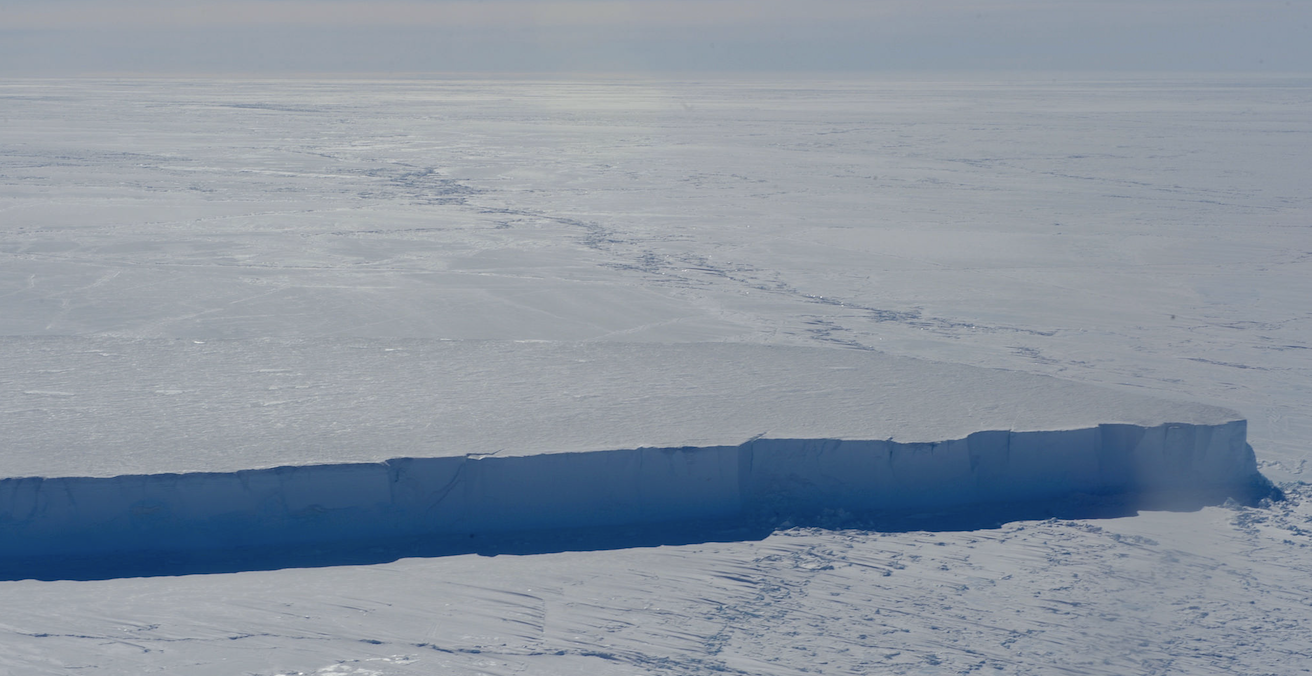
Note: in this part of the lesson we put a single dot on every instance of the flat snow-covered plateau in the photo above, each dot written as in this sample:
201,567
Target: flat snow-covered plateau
329,297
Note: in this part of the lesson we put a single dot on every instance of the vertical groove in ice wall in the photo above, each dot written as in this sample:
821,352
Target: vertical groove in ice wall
415,496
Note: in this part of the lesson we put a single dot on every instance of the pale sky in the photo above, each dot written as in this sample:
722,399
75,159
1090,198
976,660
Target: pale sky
40,37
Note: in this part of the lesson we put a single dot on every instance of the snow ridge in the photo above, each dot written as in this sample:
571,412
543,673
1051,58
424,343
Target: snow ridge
478,494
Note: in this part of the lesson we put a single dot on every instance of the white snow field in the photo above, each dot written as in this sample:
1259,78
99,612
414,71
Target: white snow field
337,304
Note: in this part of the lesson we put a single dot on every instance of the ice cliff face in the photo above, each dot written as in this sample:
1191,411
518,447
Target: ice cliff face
282,443
486,494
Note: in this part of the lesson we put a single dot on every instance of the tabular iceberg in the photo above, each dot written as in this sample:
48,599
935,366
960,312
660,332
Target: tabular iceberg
132,446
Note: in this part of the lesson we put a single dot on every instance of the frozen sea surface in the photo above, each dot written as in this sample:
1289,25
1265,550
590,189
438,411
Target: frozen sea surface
1147,234
1144,233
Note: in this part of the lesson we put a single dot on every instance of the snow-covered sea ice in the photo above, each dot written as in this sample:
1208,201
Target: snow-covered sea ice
240,266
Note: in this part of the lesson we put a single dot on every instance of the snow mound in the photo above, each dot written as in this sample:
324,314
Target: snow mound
523,436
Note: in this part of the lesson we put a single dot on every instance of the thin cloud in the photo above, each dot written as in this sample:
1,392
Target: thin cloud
452,13
515,35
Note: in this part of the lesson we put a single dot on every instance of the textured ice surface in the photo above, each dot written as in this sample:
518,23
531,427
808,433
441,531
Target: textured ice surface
411,437
1144,233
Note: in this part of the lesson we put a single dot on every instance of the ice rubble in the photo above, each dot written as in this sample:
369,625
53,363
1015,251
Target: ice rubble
520,436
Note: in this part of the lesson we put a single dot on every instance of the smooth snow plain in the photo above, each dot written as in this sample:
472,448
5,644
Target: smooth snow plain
1146,234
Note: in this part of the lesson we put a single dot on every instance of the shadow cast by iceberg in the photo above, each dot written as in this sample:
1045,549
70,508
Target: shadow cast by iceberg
335,514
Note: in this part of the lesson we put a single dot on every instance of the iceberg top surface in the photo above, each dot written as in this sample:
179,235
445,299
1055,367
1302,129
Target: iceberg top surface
106,407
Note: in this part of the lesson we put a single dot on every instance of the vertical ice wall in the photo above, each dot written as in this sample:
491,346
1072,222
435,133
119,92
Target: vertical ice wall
455,495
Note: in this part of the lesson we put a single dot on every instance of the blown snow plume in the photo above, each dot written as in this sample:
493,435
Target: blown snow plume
154,446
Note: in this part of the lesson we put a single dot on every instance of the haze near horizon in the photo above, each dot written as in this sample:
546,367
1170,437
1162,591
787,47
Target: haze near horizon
72,37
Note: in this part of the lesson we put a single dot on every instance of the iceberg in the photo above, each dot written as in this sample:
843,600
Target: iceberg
116,446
